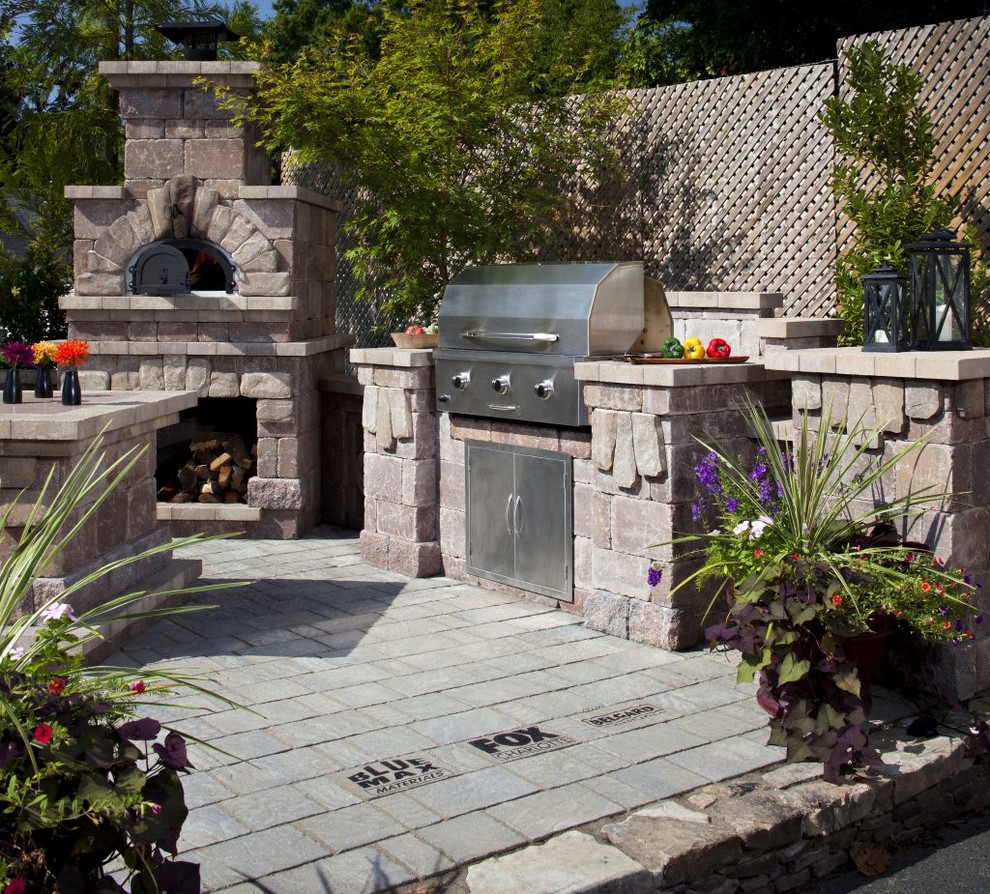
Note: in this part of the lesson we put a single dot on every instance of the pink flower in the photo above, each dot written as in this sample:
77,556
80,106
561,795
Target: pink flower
57,610
43,733
137,687
15,886
56,686
155,808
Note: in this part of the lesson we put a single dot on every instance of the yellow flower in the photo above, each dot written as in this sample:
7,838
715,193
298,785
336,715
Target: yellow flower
44,352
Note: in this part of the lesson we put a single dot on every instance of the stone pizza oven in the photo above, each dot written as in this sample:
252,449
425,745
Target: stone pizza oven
198,274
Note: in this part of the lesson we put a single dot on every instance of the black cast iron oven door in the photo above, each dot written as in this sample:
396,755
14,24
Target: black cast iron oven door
181,266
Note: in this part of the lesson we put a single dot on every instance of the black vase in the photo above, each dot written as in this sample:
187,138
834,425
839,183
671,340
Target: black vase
12,393
43,382
71,393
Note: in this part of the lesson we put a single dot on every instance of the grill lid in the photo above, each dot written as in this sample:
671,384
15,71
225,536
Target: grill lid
574,310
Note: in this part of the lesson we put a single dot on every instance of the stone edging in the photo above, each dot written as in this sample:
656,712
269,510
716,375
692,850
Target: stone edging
771,831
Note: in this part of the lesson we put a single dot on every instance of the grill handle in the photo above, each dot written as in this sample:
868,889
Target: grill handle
511,336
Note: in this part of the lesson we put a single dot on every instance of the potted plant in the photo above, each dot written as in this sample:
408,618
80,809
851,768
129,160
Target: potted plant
44,353
807,573
16,354
88,784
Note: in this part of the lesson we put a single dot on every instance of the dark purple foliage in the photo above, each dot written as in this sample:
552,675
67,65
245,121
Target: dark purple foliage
144,729
173,752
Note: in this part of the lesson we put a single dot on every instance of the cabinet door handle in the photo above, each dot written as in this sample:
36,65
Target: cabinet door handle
508,518
517,515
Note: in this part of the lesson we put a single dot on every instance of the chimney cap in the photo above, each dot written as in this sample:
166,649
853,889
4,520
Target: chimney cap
198,39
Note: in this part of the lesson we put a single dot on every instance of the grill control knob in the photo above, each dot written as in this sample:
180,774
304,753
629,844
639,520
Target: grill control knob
544,390
501,384
461,380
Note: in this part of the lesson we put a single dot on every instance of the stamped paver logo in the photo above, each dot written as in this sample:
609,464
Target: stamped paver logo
631,716
386,777
523,742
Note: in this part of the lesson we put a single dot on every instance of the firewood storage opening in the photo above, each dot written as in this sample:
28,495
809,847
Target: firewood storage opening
210,454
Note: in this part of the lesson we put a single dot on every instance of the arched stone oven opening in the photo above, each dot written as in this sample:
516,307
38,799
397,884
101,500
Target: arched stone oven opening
210,454
182,266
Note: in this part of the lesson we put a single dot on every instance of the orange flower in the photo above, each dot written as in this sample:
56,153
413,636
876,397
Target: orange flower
72,353
925,587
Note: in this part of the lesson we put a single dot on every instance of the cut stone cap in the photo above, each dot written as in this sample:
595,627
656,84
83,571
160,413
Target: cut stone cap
945,366
47,421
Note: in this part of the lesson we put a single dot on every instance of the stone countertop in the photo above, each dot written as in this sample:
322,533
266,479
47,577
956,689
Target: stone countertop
945,366
400,357
672,375
47,419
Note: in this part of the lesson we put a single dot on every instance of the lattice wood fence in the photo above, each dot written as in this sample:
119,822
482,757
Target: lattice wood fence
953,57
735,185
729,180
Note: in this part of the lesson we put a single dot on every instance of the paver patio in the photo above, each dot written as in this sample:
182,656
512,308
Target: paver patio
477,722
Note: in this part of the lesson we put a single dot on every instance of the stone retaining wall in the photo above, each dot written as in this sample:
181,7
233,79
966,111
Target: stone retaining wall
778,831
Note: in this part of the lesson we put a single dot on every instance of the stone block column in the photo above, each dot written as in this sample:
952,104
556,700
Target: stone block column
637,487
401,487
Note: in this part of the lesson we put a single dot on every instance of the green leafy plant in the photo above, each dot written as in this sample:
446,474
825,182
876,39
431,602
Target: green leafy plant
453,133
885,184
806,572
85,780
29,293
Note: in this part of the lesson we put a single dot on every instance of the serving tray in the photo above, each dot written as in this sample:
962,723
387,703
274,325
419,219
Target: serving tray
657,358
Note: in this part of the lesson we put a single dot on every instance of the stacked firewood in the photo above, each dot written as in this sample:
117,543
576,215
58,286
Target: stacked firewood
217,471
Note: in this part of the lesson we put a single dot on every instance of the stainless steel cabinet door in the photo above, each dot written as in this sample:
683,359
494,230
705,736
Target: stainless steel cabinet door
542,523
490,536
519,517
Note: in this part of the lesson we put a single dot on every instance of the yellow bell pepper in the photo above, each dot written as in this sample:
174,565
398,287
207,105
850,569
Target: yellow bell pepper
693,349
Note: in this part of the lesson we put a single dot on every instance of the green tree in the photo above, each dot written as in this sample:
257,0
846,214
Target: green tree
301,23
884,182
454,161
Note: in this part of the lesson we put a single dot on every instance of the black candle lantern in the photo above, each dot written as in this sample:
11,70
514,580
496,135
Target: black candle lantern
940,313
198,39
886,311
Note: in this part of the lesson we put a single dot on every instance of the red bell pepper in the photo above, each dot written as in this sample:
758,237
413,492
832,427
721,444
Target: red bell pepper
719,348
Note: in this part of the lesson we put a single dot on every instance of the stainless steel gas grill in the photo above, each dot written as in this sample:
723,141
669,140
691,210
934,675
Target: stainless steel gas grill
510,335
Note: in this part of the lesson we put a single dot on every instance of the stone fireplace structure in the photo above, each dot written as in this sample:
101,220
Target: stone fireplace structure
197,189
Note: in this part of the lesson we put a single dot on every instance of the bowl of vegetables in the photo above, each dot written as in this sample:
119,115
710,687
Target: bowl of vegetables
416,336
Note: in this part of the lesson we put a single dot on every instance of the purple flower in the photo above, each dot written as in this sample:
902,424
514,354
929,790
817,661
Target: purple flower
766,492
978,619
731,505
696,511
707,474
758,472
653,575
17,353
959,625
944,611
